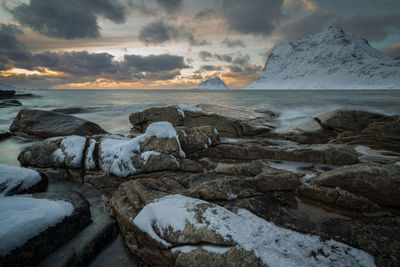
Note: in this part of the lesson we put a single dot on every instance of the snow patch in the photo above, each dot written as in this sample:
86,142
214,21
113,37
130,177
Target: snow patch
22,218
117,152
232,197
146,156
275,246
216,250
12,177
71,147
89,162
182,108
184,249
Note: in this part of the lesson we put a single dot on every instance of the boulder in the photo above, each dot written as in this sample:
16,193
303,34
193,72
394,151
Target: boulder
282,208
229,122
349,120
10,103
379,183
43,124
68,213
173,230
15,180
6,94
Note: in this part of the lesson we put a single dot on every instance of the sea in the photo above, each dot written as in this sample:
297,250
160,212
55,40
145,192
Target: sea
111,109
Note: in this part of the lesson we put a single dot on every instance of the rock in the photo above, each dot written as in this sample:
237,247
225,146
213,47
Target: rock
339,198
15,180
388,129
229,122
197,138
4,135
349,120
88,243
6,94
36,248
379,183
44,124
73,110
237,238
282,208
275,180
252,150
10,103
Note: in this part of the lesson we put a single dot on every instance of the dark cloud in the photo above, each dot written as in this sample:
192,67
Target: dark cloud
159,32
260,17
210,68
153,63
170,5
205,55
233,43
205,14
69,19
77,63
224,57
12,52
373,27
393,51
241,60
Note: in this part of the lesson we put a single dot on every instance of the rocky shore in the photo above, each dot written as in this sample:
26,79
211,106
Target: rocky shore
214,186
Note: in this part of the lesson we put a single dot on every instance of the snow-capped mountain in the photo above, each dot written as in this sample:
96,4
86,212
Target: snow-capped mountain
213,84
331,59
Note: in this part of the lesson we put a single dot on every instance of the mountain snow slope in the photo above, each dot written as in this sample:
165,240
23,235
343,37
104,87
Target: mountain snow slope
213,84
331,59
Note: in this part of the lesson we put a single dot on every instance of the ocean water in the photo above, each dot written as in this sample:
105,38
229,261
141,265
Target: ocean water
111,108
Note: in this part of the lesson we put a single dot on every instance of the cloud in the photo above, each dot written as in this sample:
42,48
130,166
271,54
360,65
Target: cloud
77,63
69,19
12,51
233,43
159,32
373,27
205,55
259,17
393,50
210,68
205,14
305,4
170,5
152,63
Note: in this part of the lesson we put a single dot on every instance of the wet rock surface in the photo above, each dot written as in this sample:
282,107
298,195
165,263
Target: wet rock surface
44,124
335,177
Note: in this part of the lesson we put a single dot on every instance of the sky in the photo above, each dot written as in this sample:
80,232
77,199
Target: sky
169,44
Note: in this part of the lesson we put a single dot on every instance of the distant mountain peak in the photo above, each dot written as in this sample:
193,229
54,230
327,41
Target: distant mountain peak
213,84
330,59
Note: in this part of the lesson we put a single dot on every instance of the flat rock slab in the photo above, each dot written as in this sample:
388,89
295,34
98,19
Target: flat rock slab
34,250
229,122
44,124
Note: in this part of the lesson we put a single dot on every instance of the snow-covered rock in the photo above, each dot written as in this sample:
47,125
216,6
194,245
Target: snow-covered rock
176,217
22,218
331,59
212,84
14,179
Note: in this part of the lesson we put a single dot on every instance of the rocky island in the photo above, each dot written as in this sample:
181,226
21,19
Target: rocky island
207,186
